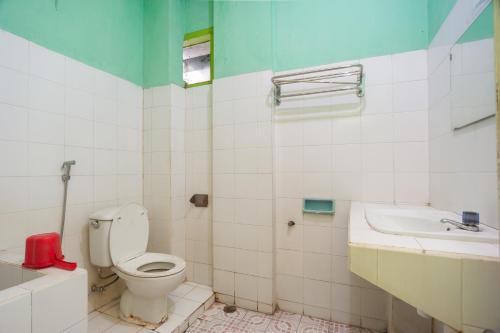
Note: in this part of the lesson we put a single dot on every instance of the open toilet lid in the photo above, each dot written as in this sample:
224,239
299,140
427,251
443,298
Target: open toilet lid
128,237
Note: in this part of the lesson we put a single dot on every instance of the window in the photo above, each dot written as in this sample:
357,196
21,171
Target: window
197,58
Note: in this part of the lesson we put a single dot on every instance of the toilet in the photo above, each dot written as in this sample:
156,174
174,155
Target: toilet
118,238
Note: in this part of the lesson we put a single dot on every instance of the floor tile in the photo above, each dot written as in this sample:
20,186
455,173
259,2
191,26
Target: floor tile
101,322
123,327
283,326
257,321
173,321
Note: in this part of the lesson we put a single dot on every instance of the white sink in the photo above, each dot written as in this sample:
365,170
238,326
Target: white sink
425,223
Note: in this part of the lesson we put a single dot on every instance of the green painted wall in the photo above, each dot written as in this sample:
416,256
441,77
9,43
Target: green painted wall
257,35
481,28
165,23
198,15
163,38
104,34
315,32
242,37
141,40
437,10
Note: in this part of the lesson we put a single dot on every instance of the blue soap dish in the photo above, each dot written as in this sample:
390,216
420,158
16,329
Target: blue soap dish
319,206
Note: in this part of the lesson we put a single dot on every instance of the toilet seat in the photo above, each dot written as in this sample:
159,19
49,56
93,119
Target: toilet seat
149,270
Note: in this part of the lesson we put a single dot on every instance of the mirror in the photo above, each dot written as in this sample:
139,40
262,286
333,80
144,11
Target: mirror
473,96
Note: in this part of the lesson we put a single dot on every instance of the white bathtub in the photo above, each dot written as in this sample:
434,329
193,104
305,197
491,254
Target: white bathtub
421,222
41,301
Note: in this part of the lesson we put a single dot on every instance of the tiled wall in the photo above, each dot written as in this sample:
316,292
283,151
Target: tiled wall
199,181
243,191
177,164
378,154
463,172
52,109
164,168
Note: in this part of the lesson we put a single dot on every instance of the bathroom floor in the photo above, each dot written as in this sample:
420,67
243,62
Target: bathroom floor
244,321
193,310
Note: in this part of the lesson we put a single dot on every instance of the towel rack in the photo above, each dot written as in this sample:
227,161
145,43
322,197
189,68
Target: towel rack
348,78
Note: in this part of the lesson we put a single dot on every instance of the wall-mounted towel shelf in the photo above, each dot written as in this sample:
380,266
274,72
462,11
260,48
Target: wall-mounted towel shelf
347,78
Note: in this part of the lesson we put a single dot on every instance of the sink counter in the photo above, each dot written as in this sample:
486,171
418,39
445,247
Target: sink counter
362,234
456,282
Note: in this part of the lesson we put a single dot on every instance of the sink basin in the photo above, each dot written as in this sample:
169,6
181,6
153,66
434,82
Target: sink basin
425,223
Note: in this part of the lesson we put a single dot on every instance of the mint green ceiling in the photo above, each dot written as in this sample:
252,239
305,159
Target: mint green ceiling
106,34
141,40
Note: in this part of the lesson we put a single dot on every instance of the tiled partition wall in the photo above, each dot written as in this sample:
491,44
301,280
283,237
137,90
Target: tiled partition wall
199,181
52,109
378,154
243,191
164,168
463,172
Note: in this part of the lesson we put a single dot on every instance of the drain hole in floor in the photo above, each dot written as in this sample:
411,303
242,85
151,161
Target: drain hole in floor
229,308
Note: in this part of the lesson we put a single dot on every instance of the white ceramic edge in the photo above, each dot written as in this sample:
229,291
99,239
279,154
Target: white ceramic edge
360,233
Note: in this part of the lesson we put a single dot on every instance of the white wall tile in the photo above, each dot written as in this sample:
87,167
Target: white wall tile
411,126
45,159
411,157
56,123
14,52
317,132
46,127
410,96
378,157
346,130
13,194
289,288
79,104
46,64
317,293
13,87
14,156
79,75
377,128
410,66
79,132
378,70
411,188
378,99
246,286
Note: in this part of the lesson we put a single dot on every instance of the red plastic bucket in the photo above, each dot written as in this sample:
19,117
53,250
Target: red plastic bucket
44,250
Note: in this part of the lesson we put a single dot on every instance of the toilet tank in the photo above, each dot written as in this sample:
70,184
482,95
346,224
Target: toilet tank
99,227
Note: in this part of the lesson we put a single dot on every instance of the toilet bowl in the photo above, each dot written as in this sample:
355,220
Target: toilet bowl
118,238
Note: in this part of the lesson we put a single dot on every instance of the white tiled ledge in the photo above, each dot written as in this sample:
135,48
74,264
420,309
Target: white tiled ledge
52,300
361,234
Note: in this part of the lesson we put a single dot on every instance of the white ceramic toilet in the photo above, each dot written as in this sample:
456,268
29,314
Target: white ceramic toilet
118,237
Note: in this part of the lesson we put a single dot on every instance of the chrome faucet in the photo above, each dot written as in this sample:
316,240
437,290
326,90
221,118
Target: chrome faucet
461,225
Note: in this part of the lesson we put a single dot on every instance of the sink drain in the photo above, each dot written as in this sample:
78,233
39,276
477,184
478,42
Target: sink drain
229,308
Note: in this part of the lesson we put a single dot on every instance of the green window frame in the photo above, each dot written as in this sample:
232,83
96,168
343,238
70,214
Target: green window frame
198,37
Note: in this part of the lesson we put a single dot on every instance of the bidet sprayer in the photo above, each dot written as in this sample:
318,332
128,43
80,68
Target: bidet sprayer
66,167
